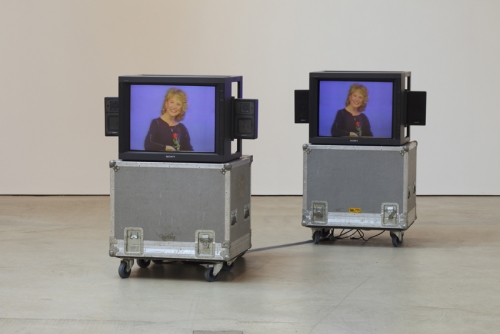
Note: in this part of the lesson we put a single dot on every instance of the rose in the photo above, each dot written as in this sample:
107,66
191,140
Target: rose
175,141
358,128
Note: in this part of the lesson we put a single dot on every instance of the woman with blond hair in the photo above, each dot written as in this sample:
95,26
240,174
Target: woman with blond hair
351,121
166,133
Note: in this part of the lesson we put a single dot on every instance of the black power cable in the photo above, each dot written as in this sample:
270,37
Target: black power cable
345,235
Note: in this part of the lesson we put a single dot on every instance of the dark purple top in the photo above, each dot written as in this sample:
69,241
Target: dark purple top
161,134
345,122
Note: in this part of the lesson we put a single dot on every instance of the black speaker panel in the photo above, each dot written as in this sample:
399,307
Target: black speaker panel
302,106
416,105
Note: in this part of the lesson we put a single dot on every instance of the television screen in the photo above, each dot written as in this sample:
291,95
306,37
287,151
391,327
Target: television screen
172,118
178,118
358,108
355,109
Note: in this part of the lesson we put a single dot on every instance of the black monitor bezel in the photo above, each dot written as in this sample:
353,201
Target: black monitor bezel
400,82
223,118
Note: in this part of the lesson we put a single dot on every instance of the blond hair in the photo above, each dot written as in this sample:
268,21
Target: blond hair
182,96
363,90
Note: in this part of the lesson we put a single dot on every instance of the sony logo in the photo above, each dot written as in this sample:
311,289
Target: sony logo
353,140
170,156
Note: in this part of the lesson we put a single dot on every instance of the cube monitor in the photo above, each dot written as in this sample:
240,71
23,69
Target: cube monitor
177,118
358,108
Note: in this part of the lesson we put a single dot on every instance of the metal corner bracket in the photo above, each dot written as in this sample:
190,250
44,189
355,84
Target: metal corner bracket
225,168
112,164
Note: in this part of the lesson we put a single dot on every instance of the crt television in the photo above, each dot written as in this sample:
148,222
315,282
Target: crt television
177,118
358,108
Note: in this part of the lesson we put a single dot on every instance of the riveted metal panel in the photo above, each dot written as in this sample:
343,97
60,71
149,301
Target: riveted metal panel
354,182
171,202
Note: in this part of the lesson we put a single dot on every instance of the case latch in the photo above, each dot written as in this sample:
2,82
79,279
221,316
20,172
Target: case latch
134,241
205,243
390,213
234,217
319,212
246,211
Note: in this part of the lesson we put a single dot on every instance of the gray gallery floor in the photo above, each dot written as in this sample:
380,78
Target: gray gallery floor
56,275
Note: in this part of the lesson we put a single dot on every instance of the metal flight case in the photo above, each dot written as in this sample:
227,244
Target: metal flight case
194,212
359,188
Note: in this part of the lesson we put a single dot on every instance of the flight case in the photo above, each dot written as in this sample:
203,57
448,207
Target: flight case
163,211
359,188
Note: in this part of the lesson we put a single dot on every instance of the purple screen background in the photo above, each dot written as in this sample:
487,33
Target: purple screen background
146,102
332,97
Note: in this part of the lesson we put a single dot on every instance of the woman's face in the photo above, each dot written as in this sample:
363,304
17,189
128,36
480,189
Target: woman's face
356,99
173,106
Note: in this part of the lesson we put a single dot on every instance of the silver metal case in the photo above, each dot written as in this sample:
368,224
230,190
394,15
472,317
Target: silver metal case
359,187
180,211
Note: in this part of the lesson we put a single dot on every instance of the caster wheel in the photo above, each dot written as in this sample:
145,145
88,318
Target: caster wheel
143,263
209,275
395,240
225,267
158,261
325,233
122,270
317,237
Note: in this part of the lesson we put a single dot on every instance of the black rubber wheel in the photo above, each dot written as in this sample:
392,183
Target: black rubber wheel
325,232
225,267
143,263
317,237
158,261
122,270
395,240
209,275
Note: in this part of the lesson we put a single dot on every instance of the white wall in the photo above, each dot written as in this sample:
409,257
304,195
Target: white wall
59,59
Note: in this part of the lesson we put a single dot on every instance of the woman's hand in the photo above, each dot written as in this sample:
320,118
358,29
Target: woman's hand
169,148
352,134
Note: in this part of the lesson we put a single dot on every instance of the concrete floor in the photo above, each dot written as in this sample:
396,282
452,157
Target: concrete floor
56,275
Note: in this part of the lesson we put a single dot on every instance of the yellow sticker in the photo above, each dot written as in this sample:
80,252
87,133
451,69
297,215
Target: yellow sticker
354,210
